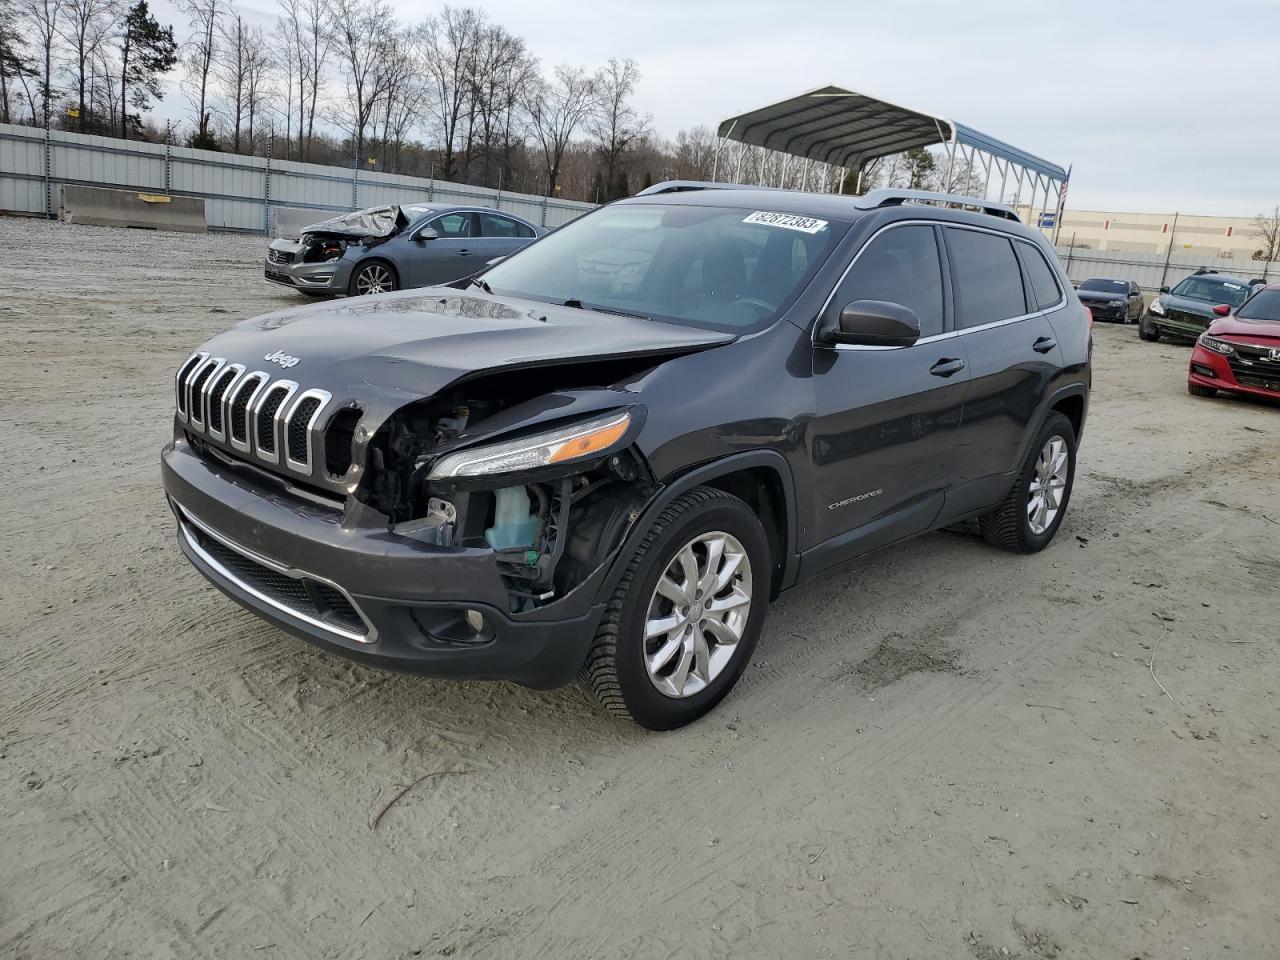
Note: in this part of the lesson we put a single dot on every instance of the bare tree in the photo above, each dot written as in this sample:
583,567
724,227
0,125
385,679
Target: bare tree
501,70
695,154
85,27
616,125
448,48
201,50
307,28
39,21
363,32
556,110
1267,227
240,70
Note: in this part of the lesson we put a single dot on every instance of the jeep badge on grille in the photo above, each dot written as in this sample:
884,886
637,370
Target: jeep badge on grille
282,358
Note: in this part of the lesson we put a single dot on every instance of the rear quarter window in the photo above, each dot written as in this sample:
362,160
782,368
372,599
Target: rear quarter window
1044,282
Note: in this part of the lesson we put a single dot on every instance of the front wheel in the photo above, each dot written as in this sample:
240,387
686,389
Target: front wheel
373,277
1032,512
686,614
1147,330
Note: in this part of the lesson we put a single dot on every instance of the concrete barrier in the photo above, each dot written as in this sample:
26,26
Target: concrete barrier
125,208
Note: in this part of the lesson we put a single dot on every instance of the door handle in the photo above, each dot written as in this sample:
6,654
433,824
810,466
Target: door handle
1044,345
464,253
947,366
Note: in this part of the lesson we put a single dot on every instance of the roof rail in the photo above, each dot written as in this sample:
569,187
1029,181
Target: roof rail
893,198
683,186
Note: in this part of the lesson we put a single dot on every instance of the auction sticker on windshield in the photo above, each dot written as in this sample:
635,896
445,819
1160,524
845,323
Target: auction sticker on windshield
788,221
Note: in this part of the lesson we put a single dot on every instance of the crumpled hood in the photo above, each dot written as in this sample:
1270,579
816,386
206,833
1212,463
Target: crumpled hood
389,350
1197,308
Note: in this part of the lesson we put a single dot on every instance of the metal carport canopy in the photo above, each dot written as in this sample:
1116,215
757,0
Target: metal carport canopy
847,129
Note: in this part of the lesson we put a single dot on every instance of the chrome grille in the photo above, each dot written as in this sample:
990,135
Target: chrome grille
253,414
280,256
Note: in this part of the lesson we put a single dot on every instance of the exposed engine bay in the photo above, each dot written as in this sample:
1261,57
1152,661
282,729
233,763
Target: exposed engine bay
550,527
329,239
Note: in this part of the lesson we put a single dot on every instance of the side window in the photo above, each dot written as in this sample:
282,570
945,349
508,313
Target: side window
524,230
492,225
985,278
455,225
1044,284
900,266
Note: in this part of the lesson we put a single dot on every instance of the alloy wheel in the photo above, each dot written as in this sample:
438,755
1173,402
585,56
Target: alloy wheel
1048,483
374,279
697,614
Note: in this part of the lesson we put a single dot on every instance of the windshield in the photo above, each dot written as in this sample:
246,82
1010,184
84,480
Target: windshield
1212,290
1106,286
713,267
1264,306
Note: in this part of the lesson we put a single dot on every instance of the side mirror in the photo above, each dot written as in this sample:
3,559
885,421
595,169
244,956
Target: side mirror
1164,289
425,234
1222,309
877,323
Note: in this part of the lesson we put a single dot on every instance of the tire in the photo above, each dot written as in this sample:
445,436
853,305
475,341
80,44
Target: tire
617,669
1198,391
1148,331
373,277
1010,525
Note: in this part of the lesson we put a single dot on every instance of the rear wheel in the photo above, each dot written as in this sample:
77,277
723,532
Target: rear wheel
375,276
686,614
1198,391
1147,330
1032,512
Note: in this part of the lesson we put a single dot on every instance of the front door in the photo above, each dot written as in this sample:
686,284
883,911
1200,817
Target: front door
452,254
881,444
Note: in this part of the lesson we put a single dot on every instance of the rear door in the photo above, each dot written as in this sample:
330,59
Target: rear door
502,236
883,438
1011,350
451,254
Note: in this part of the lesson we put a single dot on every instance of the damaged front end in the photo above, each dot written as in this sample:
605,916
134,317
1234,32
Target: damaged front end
549,483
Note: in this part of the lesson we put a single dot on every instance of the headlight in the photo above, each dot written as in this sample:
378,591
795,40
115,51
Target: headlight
562,445
1157,307
1217,346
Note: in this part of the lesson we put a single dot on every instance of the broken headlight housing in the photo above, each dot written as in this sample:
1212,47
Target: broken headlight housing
574,441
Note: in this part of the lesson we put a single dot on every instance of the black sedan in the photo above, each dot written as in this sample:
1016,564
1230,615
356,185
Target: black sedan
1112,299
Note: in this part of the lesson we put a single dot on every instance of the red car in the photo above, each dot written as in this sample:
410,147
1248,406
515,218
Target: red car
1241,352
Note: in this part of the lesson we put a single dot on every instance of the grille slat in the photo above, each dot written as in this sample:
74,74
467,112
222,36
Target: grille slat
184,372
195,396
299,428
240,408
266,420
216,395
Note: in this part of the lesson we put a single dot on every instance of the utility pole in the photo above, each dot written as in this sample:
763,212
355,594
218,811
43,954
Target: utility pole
1172,233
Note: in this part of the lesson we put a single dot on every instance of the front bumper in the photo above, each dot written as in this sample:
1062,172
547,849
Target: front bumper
1102,311
1210,369
329,277
366,593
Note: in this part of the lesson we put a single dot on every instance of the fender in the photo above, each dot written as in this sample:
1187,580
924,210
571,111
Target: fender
698,476
1075,388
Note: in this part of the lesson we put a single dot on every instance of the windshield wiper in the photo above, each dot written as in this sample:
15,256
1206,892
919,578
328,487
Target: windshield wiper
579,305
482,284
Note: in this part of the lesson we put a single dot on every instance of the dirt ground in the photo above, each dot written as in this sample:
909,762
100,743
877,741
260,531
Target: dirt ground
940,751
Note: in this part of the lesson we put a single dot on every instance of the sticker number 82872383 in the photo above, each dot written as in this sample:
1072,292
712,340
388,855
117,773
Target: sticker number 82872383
788,221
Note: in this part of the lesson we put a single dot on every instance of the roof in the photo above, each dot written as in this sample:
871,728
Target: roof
845,128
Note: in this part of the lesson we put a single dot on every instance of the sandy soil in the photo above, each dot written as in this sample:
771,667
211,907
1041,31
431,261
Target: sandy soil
940,751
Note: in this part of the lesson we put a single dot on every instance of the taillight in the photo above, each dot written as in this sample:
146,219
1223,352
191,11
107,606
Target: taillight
1088,316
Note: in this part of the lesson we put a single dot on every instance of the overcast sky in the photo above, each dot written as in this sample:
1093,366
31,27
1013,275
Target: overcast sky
1160,106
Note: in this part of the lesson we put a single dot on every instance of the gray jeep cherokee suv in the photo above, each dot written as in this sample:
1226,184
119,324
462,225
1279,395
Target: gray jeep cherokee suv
604,456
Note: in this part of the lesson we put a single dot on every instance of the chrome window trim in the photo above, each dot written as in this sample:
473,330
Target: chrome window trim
238,370
182,402
216,363
945,335
290,388
187,520
245,445
324,396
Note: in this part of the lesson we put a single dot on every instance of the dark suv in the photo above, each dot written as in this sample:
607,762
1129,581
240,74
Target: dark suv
605,456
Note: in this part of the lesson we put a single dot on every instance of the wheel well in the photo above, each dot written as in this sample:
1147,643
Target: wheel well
1072,408
761,489
370,260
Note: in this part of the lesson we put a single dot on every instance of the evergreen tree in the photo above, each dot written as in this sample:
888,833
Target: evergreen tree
648,181
147,52
621,186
